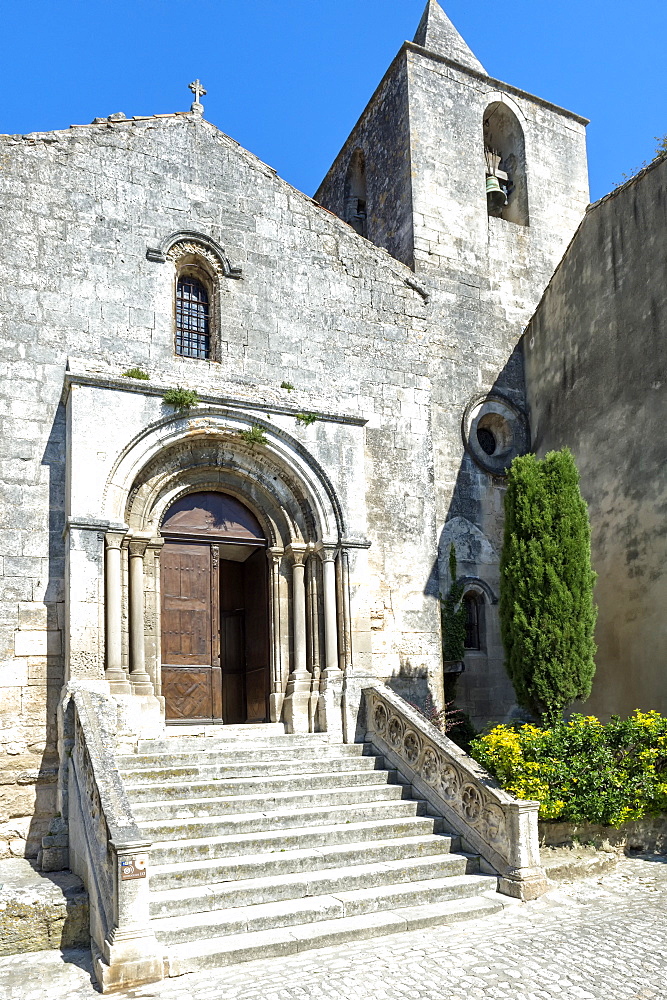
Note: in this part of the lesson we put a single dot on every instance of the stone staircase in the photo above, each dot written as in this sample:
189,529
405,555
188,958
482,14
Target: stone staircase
267,844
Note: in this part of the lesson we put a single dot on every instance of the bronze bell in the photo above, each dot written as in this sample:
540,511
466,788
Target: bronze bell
495,196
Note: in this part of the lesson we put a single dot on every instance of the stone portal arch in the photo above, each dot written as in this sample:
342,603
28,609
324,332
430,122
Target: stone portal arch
301,519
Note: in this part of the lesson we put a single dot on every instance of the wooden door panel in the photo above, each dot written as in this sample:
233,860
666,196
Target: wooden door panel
232,662
190,680
255,590
185,572
188,693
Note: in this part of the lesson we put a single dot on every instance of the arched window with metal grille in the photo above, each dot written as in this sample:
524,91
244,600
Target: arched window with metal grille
193,322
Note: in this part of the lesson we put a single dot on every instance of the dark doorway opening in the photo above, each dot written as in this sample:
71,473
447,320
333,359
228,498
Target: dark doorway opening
215,628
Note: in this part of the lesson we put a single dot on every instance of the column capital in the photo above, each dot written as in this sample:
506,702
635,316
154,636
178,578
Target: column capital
274,553
114,539
327,551
297,551
138,544
155,542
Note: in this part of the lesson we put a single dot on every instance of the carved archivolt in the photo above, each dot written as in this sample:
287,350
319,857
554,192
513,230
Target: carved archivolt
282,485
189,247
179,244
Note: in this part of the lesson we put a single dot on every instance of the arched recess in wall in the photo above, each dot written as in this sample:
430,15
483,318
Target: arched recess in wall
356,201
505,164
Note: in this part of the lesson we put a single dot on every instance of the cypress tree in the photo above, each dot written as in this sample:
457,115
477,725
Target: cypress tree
547,614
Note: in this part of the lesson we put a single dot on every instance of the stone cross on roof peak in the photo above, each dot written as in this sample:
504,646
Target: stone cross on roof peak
198,90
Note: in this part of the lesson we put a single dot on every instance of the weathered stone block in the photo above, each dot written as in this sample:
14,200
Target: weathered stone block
40,912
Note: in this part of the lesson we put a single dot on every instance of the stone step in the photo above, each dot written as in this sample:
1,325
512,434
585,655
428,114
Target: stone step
278,820
246,740
293,912
231,755
157,774
271,861
235,948
209,730
191,807
171,791
272,888
278,840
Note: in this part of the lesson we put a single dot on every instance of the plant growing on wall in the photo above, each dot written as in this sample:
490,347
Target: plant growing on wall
306,419
254,436
136,373
181,399
547,614
287,385
453,615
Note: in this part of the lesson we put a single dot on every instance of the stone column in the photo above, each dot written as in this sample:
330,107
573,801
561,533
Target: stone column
328,556
277,695
114,673
152,612
313,597
298,686
141,682
329,706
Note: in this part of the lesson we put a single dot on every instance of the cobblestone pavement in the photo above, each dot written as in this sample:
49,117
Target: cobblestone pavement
603,938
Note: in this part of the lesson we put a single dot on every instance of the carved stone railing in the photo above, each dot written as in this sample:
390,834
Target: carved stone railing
492,823
106,848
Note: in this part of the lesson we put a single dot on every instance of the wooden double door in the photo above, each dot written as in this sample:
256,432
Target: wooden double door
215,635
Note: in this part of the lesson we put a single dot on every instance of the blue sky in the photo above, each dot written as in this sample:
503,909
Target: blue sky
288,78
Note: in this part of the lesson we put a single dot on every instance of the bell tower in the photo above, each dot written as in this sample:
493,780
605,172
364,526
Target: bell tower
478,187
465,176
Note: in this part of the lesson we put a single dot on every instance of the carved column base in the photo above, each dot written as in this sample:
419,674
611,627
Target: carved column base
276,700
329,704
313,701
141,683
296,704
118,681
128,961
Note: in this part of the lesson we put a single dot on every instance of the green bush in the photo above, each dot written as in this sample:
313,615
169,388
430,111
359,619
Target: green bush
180,398
582,771
306,419
547,615
136,373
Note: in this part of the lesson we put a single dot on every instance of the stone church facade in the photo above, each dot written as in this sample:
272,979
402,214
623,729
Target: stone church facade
266,553
390,340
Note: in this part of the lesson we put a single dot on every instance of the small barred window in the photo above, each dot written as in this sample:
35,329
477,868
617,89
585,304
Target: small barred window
193,334
471,604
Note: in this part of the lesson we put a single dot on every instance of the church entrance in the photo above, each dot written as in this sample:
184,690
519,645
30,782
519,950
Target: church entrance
215,626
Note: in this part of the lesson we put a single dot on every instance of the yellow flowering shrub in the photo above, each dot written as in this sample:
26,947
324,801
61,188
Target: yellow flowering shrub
582,770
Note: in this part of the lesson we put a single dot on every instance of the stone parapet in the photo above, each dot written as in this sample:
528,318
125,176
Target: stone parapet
502,829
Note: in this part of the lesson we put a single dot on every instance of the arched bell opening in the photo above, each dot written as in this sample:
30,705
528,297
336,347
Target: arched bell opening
214,612
505,156
356,197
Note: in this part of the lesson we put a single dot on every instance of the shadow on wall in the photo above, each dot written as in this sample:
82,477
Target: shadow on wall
47,674
494,429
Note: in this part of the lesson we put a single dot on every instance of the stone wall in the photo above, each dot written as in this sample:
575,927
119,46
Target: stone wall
595,366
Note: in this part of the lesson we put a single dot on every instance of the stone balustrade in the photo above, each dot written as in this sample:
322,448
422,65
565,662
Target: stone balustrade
494,824
106,848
